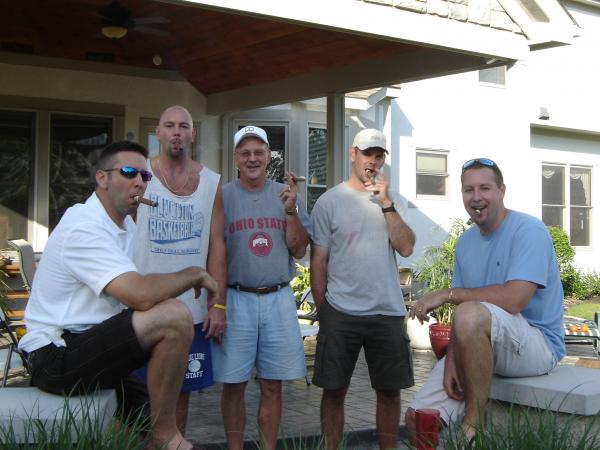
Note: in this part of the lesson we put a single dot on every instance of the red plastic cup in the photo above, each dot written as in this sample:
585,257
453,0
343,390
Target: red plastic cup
427,428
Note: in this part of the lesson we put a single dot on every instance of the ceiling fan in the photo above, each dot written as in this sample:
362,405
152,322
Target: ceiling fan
117,21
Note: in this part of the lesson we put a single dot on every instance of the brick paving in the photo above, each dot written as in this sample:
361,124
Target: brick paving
300,418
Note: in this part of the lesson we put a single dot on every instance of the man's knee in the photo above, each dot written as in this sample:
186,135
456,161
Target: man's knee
270,388
470,317
388,395
334,395
234,390
168,317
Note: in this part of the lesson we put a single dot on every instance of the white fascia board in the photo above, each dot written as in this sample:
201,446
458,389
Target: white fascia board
563,126
365,75
386,92
560,28
379,21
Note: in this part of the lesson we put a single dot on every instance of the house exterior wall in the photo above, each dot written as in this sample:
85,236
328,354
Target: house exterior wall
469,119
128,99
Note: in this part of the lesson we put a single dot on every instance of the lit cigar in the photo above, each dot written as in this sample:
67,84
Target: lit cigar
145,201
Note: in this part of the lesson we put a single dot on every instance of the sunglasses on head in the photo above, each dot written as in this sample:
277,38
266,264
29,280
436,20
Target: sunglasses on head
478,161
131,173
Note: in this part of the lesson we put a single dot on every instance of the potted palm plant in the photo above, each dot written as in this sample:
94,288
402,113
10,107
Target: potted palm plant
435,271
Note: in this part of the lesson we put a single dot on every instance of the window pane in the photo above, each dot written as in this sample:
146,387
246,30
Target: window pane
313,194
431,185
76,142
317,156
494,75
553,215
580,221
17,142
430,162
553,185
580,186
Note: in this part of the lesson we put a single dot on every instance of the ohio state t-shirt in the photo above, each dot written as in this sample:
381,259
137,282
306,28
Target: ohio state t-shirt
255,224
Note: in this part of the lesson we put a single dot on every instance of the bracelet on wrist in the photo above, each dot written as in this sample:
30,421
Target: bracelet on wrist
219,306
389,209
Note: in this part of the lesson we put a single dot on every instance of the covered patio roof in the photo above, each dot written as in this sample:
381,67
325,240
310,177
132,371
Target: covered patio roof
247,54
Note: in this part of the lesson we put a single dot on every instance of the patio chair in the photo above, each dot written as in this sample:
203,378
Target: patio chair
307,311
6,354
406,280
26,261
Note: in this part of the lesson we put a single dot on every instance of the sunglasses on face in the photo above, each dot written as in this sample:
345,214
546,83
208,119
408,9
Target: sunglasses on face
478,161
132,172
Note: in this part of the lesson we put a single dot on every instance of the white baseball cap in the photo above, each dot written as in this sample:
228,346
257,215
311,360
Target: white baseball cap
369,138
249,131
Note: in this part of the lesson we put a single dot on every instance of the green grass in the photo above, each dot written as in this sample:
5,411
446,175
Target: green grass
584,310
74,429
528,429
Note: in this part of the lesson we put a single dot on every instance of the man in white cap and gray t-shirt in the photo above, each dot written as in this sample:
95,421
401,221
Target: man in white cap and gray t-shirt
266,227
357,229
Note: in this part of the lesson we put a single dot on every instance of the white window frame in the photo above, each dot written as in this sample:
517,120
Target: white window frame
566,215
446,175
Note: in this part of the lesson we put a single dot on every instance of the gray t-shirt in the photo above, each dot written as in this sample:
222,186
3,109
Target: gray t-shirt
362,273
255,224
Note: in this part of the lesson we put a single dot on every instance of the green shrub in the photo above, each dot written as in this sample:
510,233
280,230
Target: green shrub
569,276
587,285
300,282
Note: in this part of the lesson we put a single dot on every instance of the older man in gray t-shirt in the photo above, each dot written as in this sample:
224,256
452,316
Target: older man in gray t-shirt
266,227
356,287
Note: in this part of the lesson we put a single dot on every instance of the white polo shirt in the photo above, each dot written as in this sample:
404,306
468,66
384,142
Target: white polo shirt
84,253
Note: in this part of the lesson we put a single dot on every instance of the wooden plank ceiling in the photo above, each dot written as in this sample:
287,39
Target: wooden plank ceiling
214,51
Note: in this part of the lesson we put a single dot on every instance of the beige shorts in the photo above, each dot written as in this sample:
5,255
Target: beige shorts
520,350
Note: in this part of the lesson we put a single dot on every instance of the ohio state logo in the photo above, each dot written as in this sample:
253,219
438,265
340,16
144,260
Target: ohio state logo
260,244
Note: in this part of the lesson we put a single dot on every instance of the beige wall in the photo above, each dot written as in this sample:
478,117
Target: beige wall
140,97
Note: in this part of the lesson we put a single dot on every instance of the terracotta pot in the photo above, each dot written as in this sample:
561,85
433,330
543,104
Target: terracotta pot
439,335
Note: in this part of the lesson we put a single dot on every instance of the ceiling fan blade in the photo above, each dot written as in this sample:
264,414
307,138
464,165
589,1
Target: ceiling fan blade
150,20
149,30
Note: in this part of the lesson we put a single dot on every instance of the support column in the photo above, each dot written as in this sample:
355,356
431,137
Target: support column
335,138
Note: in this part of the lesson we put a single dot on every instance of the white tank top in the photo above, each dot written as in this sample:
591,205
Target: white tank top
175,234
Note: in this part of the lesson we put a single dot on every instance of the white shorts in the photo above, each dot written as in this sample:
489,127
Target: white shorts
262,331
520,350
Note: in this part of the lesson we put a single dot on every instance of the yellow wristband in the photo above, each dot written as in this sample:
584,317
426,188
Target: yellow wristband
219,306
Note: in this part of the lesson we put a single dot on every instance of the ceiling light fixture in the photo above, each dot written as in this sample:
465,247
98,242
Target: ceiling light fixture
114,31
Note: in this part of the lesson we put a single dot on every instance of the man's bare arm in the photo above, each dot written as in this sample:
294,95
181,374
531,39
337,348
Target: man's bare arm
142,292
319,257
217,255
402,236
214,322
512,296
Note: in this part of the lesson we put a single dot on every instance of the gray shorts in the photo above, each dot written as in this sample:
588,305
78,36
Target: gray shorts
520,350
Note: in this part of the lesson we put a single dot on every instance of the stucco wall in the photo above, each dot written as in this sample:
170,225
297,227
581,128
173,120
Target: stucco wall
141,97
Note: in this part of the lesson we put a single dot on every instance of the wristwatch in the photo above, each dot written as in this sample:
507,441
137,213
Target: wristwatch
389,209
293,212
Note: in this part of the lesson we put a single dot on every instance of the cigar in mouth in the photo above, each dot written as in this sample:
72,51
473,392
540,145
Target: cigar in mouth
477,212
145,201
